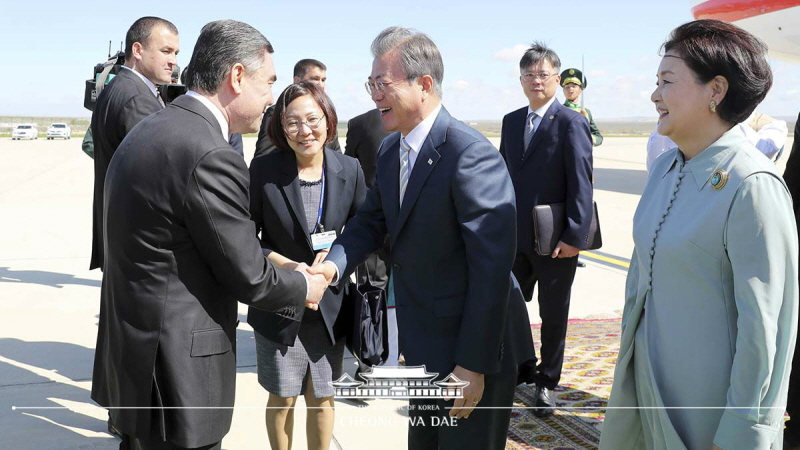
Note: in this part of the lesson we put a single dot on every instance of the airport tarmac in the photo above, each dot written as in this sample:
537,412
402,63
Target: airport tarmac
49,303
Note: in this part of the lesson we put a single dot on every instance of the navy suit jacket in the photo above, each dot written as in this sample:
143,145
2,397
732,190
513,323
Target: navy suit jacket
276,207
556,168
452,248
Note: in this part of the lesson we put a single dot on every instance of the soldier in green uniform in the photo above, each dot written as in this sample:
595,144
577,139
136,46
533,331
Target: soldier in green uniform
573,82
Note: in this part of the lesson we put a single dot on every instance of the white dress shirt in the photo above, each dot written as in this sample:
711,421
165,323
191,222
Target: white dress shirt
539,113
416,137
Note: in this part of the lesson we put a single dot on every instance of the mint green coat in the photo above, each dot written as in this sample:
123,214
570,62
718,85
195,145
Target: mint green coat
711,306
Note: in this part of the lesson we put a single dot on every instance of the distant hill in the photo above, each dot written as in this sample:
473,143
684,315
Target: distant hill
634,126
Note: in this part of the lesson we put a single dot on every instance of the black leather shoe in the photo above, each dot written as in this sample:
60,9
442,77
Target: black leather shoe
545,402
581,263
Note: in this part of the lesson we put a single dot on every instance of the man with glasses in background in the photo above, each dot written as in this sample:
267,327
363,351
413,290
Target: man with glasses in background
548,150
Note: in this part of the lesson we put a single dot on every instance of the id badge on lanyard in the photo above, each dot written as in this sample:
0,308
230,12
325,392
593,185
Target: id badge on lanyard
321,239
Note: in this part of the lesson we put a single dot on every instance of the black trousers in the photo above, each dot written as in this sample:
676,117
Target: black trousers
555,277
431,427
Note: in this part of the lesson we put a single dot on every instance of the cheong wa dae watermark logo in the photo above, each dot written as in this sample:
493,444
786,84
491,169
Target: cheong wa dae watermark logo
399,382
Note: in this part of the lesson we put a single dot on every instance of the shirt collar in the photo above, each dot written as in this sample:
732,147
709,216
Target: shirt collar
223,124
417,136
149,83
705,163
543,109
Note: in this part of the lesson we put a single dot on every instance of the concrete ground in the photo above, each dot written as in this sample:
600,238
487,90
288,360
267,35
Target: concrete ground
49,303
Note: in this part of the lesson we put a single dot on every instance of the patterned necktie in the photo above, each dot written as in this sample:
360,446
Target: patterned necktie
405,168
529,129
161,101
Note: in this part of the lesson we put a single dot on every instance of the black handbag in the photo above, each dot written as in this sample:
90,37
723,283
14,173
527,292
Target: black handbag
549,222
368,337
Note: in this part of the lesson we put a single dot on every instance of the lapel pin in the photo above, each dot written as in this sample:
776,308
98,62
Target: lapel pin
719,179
552,117
430,161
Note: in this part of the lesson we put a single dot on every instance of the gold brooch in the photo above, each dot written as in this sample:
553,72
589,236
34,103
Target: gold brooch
719,179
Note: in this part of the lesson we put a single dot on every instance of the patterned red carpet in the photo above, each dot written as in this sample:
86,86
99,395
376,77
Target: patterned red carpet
591,353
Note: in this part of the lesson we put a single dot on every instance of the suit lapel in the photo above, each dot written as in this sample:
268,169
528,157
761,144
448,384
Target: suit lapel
516,138
334,188
141,86
426,161
291,192
543,129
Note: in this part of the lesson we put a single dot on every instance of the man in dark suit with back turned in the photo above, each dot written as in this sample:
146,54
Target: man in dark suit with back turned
181,250
364,136
304,70
444,197
548,150
151,48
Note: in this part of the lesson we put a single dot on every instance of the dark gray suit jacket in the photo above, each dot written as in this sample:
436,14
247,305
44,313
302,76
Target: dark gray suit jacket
276,207
181,250
121,105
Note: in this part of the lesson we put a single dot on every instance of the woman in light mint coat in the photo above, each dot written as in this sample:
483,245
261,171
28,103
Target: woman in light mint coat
710,317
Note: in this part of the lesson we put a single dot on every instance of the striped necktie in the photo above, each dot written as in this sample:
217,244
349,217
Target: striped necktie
529,130
405,168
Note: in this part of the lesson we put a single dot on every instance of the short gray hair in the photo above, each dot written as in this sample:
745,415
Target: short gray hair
537,53
418,54
222,44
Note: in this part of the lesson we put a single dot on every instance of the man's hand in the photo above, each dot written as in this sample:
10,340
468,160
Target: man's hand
564,251
320,257
316,286
326,269
472,393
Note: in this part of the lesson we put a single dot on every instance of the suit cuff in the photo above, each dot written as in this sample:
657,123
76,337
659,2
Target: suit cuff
736,433
335,281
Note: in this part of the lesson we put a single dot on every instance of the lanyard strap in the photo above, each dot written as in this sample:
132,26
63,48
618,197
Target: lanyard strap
318,225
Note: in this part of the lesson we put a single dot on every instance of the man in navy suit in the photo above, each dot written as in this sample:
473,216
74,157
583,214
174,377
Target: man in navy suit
443,195
548,150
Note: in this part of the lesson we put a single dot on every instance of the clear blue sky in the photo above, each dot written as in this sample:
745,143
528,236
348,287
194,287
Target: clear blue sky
50,47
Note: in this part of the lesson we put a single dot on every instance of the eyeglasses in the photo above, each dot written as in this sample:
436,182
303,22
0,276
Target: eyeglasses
293,126
540,76
380,86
